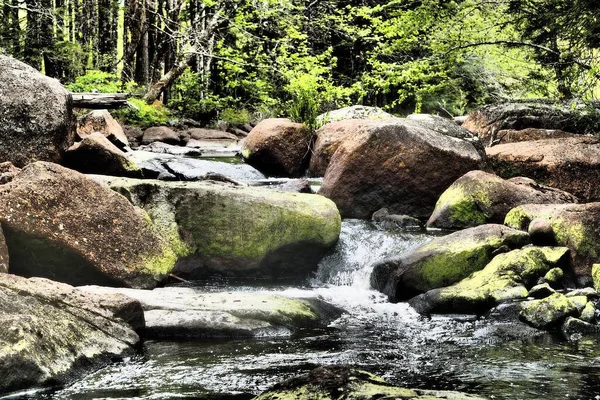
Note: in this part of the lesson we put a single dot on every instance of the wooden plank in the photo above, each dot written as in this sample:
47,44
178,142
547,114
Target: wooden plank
99,101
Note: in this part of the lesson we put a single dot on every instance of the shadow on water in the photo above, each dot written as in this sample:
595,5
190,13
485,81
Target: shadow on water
491,359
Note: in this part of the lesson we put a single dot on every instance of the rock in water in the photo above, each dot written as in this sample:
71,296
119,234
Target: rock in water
52,333
36,120
237,230
396,164
479,197
549,312
344,383
278,147
101,121
443,261
569,164
63,225
576,226
95,154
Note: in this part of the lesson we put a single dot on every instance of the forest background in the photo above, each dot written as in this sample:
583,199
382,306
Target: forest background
244,60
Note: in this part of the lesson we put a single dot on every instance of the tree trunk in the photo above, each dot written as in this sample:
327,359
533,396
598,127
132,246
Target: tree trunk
167,79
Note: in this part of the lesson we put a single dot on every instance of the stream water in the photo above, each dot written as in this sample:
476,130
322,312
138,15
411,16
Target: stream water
493,359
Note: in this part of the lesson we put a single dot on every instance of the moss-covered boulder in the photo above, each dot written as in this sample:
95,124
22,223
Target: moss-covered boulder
444,260
237,230
576,226
60,224
342,382
183,313
479,197
549,312
95,154
507,277
52,333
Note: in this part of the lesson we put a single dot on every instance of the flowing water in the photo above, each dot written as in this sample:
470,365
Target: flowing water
493,359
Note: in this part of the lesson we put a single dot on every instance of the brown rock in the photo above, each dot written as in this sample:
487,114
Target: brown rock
210,134
524,135
162,134
36,118
59,223
7,172
3,253
394,164
278,147
101,121
479,197
541,233
327,140
95,154
569,164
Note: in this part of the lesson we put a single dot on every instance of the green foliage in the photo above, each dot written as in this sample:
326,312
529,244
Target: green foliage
236,116
143,115
304,106
100,81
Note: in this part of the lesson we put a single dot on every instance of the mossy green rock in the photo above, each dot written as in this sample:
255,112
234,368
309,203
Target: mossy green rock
341,382
554,277
444,261
596,276
237,230
52,333
507,277
62,225
479,197
548,312
576,226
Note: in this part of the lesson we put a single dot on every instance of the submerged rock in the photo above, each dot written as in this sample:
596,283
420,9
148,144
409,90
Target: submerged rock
178,313
60,224
237,230
95,154
397,164
101,121
342,382
36,118
576,226
549,312
278,147
444,260
392,221
479,197
507,277
52,333
569,164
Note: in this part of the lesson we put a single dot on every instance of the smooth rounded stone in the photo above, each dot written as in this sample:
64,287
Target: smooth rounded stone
588,292
101,121
327,140
505,278
392,221
396,164
569,164
285,184
36,118
344,383
177,313
588,314
541,232
541,291
574,328
237,230
576,226
479,197
169,167
278,147
554,277
549,312
162,134
443,261
60,224
4,259
211,135
52,333
579,301
95,154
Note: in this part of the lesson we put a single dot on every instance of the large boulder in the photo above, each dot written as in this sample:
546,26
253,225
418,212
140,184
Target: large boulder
52,333
95,154
210,136
488,121
353,112
237,230
36,119
327,140
525,135
160,134
338,382
183,313
479,197
569,164
278,147
62,225
101,121
396,164
507,277
444,260
576,226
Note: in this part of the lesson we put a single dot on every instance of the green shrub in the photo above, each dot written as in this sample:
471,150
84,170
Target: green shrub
236,116
100,81
144,115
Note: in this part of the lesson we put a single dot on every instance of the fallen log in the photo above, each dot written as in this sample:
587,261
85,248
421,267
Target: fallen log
100,101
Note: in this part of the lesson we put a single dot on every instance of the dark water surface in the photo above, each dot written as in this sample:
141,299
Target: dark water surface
492,359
